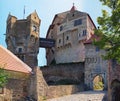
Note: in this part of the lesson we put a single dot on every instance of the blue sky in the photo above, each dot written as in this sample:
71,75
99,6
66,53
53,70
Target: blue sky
46,10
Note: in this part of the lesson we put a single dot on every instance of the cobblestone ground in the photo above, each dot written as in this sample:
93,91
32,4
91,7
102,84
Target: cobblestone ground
83,96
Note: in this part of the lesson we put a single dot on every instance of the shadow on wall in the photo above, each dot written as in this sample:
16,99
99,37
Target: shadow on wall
115,90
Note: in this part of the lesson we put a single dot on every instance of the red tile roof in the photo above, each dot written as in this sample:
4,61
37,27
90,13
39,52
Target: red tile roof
12,62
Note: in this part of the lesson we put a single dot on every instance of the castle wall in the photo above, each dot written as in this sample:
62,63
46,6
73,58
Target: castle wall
95,65
62,90
69,71
15,89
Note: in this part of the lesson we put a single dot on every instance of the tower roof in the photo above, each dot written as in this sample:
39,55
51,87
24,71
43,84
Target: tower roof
11,62
73,8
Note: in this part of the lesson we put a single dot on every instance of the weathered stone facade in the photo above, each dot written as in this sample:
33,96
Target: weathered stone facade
113,81
95,65
16,87
68,71
22,37
73,32
69,30
72,58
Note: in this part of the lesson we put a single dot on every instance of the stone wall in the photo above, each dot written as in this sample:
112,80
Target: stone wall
71,71
62,90
37,86
15,90
113,80
95,65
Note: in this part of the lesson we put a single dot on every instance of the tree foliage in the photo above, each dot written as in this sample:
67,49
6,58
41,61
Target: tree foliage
109,30
3,77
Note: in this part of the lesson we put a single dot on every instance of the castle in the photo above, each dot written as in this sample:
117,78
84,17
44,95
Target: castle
73,57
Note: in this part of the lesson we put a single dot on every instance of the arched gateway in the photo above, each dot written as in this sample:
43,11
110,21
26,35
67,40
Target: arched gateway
98,83
115,86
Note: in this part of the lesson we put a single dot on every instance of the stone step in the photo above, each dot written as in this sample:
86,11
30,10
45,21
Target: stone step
83,96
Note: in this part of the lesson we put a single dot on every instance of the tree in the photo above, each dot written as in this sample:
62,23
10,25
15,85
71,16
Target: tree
3,77
109,30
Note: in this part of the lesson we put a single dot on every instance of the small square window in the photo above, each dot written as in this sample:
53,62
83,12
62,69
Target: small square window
20,50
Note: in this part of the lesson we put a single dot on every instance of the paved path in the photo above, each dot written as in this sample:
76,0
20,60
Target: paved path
82,96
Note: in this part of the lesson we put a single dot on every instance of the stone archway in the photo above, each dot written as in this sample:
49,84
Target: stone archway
115,90
98,83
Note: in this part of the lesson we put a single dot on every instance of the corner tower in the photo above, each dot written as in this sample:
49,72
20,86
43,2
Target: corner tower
22,37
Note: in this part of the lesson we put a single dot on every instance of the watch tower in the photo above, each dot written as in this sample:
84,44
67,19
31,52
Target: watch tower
22,37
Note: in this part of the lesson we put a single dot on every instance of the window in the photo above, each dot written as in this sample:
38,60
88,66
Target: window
84,32
67,38
61,28
79,35
77,22
73,15
59,40
20,50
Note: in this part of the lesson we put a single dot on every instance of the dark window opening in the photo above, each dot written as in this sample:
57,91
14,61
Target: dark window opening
84,32
59,40
61,28
73,15
77,22
79,35
67,38
20,50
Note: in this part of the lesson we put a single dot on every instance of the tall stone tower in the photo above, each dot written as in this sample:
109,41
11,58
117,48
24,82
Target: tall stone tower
22,37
